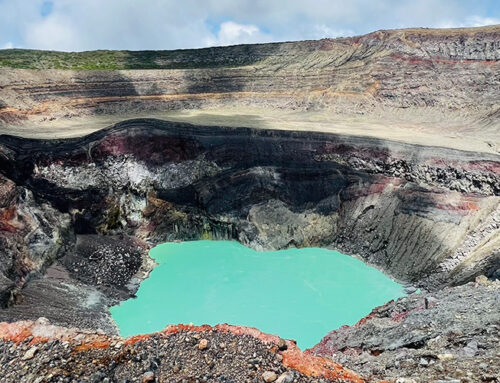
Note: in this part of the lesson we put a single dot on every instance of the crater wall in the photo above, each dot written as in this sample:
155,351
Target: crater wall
398,84
425,216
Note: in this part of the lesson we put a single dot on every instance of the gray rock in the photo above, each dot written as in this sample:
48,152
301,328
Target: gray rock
30,353
97,377
423,362
148,376
410,290
430,302
269,376
471,349
286,377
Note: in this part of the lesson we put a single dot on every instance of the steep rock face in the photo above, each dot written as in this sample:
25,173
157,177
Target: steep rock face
32,235
423,215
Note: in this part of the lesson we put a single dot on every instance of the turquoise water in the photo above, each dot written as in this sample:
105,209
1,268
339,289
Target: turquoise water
298,294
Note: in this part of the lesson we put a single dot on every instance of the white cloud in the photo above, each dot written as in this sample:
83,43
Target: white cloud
470,21
324,31
171,24
8,45
231,33
478,21
52,32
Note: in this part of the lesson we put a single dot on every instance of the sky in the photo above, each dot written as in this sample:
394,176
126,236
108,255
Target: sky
78,25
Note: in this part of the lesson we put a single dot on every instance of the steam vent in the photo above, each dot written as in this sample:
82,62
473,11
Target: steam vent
383,147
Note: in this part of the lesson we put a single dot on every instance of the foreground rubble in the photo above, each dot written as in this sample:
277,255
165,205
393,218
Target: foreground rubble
40,352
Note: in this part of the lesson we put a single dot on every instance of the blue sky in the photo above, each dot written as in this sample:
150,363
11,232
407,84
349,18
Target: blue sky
76,25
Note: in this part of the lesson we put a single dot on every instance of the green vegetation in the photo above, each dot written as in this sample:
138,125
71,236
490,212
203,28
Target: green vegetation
233,56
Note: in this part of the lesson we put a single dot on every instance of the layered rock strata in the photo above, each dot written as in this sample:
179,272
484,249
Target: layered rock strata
406,83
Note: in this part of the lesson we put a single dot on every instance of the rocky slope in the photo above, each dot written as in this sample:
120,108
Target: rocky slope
451,335
40,352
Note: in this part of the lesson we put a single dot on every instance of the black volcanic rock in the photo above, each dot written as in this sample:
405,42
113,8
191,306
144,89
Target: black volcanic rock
6,286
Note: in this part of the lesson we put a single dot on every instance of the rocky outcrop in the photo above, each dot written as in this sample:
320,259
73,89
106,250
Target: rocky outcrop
6,288
32,235
452,333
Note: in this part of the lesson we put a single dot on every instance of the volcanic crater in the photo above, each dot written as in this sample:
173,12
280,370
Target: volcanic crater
383,146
